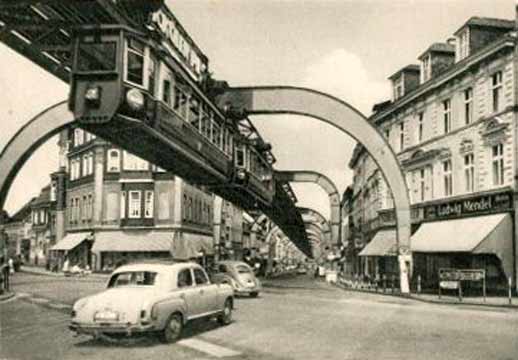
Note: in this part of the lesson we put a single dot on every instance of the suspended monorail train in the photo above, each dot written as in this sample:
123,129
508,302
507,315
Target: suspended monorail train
150,84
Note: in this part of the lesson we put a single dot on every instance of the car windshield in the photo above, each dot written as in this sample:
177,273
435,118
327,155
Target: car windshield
132,278
243,269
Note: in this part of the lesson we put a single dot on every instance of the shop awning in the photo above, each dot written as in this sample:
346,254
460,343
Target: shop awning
189,245
70,241
134,241
490,234
382,244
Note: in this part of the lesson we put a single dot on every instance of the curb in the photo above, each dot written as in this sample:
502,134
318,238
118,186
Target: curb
431,301
61,275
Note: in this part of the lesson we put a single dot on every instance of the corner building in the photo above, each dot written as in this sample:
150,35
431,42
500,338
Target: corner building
452,121
119,208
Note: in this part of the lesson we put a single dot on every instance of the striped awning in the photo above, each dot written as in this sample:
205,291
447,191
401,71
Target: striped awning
133,241
70,241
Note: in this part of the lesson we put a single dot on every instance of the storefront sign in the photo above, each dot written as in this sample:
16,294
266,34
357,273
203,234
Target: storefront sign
456,275
479,204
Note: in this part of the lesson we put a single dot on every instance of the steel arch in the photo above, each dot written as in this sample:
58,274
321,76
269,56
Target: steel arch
272,100
25,142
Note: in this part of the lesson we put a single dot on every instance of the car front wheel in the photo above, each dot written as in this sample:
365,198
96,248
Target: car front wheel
173,329
225,317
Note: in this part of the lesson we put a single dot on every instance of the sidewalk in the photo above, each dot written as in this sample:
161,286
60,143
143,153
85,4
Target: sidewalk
36,270
490,301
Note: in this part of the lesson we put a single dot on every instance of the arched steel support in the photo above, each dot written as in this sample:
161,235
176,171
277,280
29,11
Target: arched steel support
25,142
333,111
304,176
313,215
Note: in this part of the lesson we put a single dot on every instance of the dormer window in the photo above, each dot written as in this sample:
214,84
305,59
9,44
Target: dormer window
398,88
426,69
462,45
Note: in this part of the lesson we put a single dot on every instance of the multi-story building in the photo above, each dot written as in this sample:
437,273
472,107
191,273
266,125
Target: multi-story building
452,122
120,207
18,229
228,229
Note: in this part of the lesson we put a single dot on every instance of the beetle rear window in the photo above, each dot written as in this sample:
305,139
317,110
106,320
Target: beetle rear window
132,278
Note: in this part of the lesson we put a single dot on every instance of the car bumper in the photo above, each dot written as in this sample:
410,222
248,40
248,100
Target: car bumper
246,291
96,329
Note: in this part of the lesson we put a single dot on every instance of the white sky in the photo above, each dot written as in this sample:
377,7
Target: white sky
345,48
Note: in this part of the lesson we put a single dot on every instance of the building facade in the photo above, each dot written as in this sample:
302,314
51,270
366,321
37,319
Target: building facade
452,123
121,208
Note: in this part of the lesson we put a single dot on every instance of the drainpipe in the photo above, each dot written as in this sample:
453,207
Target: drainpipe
515,148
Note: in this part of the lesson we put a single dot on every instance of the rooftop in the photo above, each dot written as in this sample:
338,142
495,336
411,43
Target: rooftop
439,47
488,22
408,68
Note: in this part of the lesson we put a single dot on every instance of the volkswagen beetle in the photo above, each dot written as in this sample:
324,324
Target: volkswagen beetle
239,275
152,298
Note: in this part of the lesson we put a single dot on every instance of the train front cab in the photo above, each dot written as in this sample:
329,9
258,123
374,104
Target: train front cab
113,73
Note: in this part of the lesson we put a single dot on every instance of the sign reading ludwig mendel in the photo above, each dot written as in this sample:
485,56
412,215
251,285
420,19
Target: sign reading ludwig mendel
479,204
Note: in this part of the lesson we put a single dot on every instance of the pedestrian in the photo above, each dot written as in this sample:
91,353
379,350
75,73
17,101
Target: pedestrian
11,265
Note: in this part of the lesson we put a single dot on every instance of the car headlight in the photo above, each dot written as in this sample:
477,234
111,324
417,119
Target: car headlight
135,99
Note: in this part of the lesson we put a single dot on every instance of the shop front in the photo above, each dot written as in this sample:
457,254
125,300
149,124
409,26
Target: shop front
114,248
466,233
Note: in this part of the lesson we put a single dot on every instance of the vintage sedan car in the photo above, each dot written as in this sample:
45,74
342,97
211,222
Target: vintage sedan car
152,298
238,274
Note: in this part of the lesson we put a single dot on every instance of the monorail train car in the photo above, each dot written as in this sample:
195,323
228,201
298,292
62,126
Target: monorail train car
139,88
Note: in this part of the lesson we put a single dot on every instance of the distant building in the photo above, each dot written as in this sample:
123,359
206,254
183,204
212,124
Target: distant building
453,124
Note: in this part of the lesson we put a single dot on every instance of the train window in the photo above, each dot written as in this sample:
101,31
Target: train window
135,65
152,74
180,101
166,91
97,56
240,156
194,112
205,122
216,134
224,140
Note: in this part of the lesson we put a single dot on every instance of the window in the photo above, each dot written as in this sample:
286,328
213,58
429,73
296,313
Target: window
166,91
496,90
75,167
113,160
123,205
462,43
216,134
387,134
180,100
134,204
194,113
133,278
88,164
468,106
135,62
426,70
446,106
401,136
90,212
422,184
184,278
200,277
134,163
469,172
97,56
420,126
398,88
448,178
151,74
149,204
78,137
84,208
498,164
